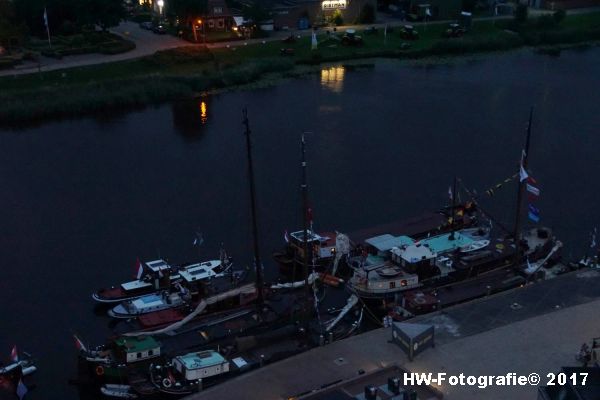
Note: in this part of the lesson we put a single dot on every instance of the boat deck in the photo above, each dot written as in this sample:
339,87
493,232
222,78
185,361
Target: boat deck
507,332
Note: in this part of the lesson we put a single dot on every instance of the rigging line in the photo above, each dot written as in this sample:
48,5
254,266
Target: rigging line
487,214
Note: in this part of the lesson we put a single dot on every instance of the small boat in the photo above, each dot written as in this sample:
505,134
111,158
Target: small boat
155,275
116,390
159,275
474,246
151,303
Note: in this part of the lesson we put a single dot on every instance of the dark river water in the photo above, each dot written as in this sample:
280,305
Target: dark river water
82,198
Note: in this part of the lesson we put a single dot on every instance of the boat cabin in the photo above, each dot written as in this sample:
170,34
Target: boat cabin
202,271
137,348
382,279
322,246
381,245
158,265
204,364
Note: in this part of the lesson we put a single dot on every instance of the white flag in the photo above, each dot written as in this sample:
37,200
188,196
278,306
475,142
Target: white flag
523,174
45,17
139,269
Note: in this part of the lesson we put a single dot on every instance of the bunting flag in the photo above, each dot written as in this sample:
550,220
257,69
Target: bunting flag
139,269
79,344
286,237
534,213
533,190
14,355
21,389
523,174
492,191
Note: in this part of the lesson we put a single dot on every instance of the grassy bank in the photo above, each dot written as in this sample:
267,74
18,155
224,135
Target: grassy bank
186,72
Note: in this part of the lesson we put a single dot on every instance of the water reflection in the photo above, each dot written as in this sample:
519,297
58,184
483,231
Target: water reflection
333,78
189,117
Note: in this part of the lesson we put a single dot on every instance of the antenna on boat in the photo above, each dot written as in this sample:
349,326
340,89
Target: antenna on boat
257,262
521,187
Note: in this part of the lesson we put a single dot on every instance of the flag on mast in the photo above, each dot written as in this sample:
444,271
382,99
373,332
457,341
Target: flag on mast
593,240
79,344
14,354
450,193
47,26
21,389
286,237
523,174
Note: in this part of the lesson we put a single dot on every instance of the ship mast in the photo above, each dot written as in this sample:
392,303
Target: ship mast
453,223
304,187
521,189
257,262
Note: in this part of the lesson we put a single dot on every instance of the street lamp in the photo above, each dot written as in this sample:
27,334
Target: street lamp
161,4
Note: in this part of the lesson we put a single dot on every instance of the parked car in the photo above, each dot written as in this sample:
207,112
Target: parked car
159,29
350,38
146,25
408,32
454,30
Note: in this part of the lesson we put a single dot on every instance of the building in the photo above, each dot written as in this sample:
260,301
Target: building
218,17
304,14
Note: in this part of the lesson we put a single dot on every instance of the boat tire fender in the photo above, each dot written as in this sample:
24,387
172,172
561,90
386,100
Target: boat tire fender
166,383
99,370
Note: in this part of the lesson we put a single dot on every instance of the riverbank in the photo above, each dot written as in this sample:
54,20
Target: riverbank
189,71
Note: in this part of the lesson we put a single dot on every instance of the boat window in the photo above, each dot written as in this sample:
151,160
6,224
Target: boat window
139,355
150,352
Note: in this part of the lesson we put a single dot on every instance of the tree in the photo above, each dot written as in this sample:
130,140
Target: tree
186,10
104,13
521,13
367,14
257,12
9,29
337,18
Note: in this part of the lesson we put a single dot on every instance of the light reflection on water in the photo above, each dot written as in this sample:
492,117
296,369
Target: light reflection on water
333,78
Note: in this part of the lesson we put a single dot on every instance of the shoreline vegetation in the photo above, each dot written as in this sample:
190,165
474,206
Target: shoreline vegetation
188,72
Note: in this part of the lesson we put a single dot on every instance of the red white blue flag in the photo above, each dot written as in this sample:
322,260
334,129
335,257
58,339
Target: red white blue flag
139,269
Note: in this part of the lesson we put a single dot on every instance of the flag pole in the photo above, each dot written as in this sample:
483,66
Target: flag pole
521,186
47,27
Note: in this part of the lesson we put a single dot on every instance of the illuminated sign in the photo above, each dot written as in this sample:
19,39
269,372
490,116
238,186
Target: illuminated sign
333,4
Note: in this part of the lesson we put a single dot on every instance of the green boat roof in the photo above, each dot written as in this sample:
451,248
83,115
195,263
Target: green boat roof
386,242
136,344
201,359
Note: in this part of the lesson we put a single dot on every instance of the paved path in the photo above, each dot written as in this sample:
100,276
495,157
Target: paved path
509,339
146,43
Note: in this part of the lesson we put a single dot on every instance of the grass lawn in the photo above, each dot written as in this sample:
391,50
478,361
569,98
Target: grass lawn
189,70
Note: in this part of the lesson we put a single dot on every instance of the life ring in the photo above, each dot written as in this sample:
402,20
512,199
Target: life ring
419,299
99,370
166,382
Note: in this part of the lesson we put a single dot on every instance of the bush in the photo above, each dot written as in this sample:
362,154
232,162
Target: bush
142,17
116,47
546,22
521,13
559,16
367,14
